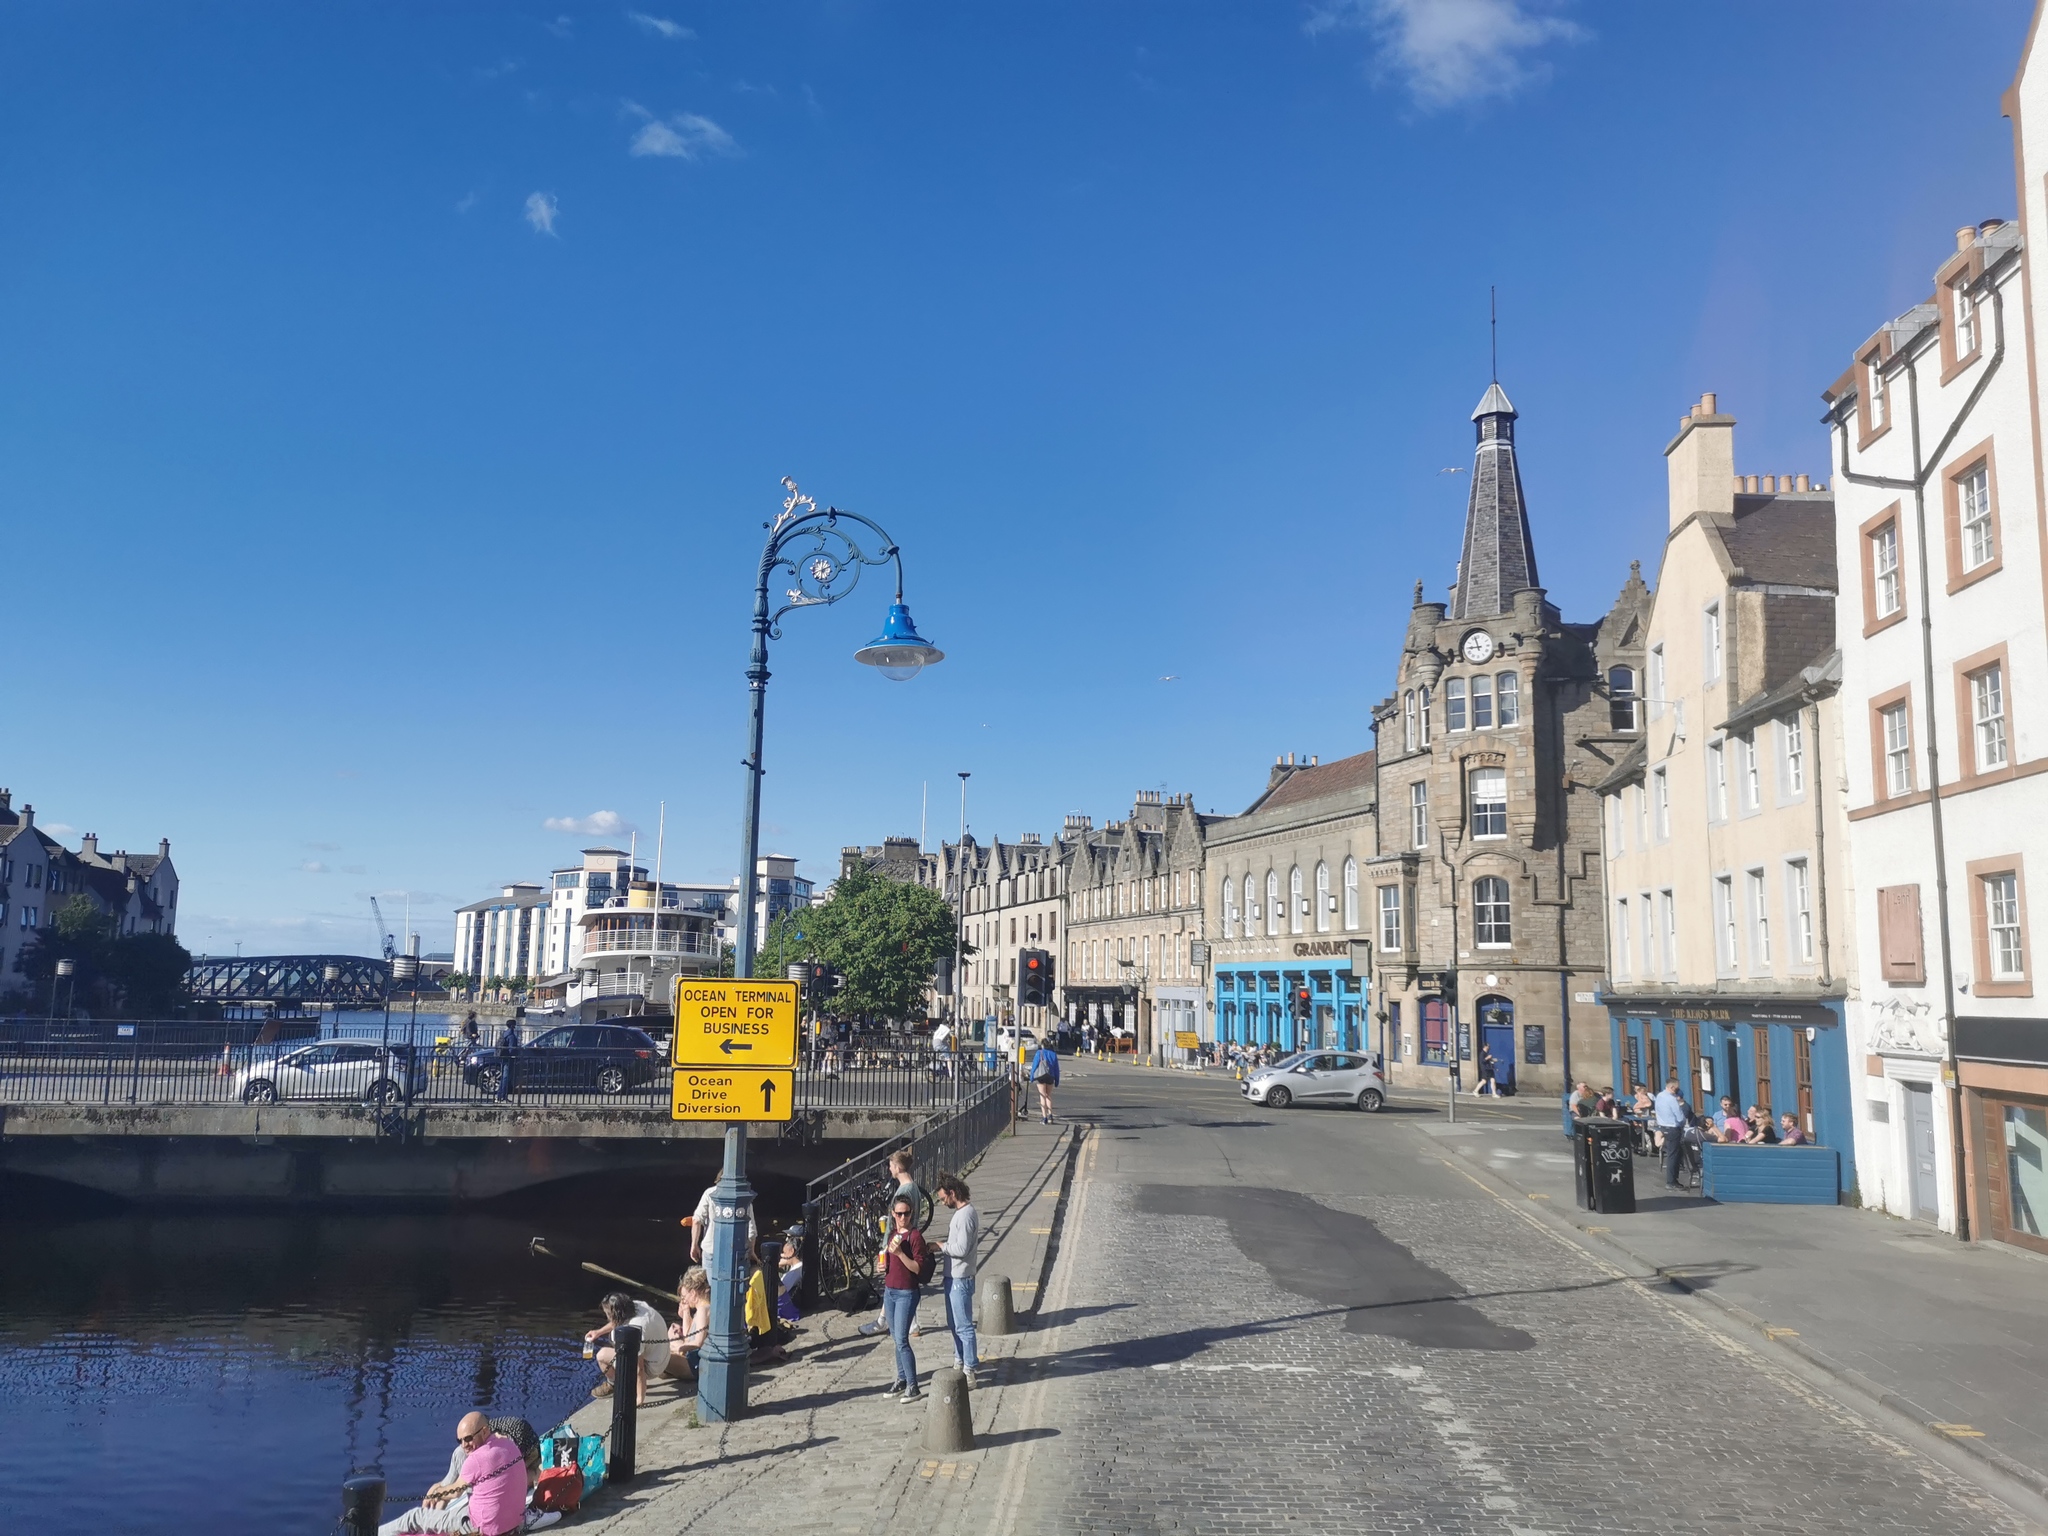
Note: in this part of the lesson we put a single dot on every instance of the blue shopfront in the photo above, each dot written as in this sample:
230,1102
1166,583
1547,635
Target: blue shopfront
1255,1005
1783,1056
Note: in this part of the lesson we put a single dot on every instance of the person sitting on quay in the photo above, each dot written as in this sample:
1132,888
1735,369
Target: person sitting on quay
686,1335
1582,1102
1760,1130
484,1493
1789,1133
620,1309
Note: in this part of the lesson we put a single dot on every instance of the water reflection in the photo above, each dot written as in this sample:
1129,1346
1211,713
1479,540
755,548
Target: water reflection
163,1375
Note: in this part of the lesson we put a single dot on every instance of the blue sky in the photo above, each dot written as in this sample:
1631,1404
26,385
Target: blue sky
393,394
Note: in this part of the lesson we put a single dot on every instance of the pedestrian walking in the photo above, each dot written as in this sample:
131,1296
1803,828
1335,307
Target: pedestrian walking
1045,1075
1486,1077
961,1233
508,1058
903,1264
1673,1114
471,1035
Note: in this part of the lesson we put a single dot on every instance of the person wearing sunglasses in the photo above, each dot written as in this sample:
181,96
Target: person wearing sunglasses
904,1269
484,1493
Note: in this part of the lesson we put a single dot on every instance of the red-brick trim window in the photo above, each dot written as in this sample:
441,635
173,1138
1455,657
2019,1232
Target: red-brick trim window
1893,774
1884,571
1969,496
1998,927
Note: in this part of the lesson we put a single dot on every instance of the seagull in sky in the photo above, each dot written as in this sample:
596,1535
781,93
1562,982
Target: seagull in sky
1454,469
1171,677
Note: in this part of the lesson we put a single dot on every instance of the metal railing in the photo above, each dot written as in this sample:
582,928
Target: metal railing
844,1210
647,941
165,1063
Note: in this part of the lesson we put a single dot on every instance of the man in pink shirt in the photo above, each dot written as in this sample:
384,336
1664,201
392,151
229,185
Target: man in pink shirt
484,1493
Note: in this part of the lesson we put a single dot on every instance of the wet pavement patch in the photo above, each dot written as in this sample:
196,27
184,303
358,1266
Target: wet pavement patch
1341,1260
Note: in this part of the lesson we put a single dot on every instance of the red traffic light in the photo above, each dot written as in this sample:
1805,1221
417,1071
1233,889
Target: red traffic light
1031,964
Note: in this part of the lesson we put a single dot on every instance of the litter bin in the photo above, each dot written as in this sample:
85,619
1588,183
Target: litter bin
1606,1164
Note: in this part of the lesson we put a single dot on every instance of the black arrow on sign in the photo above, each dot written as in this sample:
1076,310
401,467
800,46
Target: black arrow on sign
767,1095
729,1046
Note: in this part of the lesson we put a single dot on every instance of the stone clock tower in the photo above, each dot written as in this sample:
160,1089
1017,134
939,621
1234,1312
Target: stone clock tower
1485,912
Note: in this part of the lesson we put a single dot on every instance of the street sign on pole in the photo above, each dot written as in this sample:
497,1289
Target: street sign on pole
723,1022
733,1093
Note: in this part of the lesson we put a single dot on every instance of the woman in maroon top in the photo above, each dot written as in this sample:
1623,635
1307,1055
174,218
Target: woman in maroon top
903,1260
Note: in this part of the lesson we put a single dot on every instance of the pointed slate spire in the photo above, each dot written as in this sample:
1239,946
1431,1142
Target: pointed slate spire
1499,557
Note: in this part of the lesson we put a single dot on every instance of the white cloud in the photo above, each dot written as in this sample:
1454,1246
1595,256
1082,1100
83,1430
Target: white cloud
682,137
541,211
596,824
1450,51
562,26
314,867
467,202
59,828
660,26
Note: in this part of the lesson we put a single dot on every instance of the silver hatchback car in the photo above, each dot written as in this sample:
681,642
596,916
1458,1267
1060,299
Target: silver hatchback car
1318,1077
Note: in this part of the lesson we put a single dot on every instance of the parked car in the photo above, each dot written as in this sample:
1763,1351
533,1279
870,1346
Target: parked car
1008,1039
610,1058
1318,1077
333,1069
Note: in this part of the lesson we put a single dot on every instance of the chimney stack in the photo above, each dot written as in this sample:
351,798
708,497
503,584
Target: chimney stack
28,815
163,847
1700,463
89,845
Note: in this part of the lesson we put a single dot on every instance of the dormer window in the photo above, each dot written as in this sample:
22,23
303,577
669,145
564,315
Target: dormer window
1874,391
1966,320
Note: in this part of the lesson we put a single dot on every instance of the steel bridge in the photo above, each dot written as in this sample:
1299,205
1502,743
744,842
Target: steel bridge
358,982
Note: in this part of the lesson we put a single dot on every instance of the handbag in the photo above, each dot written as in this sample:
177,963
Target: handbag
559,1489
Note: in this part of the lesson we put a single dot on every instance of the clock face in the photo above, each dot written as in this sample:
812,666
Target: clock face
1478,647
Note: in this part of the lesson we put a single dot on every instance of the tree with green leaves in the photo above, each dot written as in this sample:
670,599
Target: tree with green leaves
884,938
140,974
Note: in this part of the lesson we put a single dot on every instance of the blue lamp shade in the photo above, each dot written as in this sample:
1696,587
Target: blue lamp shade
899,650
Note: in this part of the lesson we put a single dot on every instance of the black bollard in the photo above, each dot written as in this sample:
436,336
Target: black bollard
362,1504
625,1397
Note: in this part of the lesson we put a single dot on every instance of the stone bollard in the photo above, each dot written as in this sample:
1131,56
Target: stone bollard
948,1426
362,1504
997,1315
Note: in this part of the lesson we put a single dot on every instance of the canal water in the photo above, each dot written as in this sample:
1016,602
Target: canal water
172,1374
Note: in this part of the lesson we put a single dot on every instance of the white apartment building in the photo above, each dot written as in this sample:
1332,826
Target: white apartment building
502,937
1006,898
1938,455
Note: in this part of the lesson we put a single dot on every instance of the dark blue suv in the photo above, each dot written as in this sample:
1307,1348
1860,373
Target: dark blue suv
608,1058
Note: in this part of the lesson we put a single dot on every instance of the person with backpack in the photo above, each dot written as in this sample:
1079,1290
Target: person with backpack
907,1263
1045,1075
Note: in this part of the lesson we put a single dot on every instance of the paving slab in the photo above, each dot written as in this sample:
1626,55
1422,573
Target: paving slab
1952,1335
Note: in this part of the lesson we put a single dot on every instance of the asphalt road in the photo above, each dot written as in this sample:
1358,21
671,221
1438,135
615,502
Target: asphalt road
1310,1320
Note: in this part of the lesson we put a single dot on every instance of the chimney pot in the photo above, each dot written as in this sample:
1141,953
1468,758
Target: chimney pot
1803,485
1990,224
1708,404
1966,237
1313,761
1771,485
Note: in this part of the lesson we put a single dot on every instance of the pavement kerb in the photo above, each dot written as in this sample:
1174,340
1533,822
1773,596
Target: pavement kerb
2032,1483
1012,1246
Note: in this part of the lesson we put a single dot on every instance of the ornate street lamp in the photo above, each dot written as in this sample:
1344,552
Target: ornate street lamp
821,554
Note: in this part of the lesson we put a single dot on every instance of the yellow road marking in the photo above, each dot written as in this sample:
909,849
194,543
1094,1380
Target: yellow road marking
1781,1333
1041,1231
1959,1431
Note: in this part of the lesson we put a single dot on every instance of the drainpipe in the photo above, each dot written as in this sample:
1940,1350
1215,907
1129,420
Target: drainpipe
1922,468
1820,853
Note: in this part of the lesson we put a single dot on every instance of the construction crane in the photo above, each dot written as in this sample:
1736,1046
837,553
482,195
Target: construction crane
384,938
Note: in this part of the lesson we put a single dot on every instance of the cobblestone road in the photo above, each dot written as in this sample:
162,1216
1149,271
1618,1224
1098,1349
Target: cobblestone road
1310,1321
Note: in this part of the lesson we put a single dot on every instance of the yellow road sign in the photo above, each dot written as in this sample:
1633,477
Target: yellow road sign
733,1093
1187,1039
727,1023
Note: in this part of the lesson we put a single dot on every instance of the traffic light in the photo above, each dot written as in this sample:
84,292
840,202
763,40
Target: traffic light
1034,978
1299,1004
820,982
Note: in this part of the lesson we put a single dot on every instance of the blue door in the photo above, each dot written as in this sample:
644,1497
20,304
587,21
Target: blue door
1497,1035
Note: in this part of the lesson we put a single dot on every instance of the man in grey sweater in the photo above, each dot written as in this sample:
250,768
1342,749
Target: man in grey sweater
961,1233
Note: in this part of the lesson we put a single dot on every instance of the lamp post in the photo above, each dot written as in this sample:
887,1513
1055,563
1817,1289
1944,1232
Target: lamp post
65,970
824,572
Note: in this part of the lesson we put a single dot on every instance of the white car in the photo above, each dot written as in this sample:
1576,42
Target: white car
1318,1077
333,1069
1008,1038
